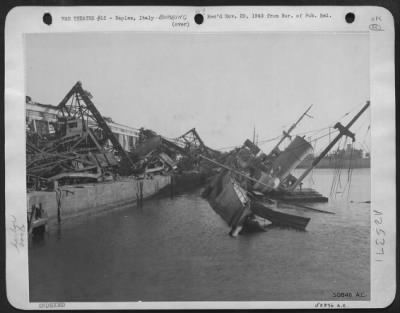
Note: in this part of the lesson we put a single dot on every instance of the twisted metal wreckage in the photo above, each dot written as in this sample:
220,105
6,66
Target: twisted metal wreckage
84,149
243,186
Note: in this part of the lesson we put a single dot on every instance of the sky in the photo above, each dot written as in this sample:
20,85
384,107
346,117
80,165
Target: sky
223,84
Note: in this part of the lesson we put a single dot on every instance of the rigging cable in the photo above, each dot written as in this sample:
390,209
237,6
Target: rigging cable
335,170
350,173
339,187
364,143
311,179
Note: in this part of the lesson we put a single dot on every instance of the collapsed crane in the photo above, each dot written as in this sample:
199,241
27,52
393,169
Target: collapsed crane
81,108
79,149
192,139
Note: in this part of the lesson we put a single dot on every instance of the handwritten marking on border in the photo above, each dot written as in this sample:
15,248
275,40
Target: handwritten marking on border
330,305
18,233
375,27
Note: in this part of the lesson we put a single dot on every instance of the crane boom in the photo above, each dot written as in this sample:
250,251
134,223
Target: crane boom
343,131
77,89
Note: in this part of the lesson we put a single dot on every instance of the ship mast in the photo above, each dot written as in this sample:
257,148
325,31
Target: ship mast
343,131
286,134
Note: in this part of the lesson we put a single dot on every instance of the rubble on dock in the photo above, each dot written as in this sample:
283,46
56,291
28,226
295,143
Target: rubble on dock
83,147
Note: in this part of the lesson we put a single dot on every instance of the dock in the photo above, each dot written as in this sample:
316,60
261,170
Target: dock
305,195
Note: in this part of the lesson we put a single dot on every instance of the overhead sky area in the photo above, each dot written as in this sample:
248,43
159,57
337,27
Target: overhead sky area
221,84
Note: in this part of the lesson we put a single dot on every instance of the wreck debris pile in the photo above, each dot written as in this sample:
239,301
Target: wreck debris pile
157,154
44,168
82,148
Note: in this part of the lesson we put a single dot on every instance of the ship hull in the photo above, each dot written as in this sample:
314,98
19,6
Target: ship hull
277,217
230,201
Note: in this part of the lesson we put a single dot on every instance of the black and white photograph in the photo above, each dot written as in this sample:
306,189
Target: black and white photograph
204,166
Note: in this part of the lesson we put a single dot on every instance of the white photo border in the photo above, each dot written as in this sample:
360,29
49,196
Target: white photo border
376,21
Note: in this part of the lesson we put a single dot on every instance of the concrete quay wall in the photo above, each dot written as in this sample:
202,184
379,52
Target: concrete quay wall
76,200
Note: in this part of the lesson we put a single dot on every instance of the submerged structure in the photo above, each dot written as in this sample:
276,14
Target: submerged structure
251,182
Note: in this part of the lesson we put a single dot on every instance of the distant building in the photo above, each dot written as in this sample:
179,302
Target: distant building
348,153
42,118
127,136
39,117
343,158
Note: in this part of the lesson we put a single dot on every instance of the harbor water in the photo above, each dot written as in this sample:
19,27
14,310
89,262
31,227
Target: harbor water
178,249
